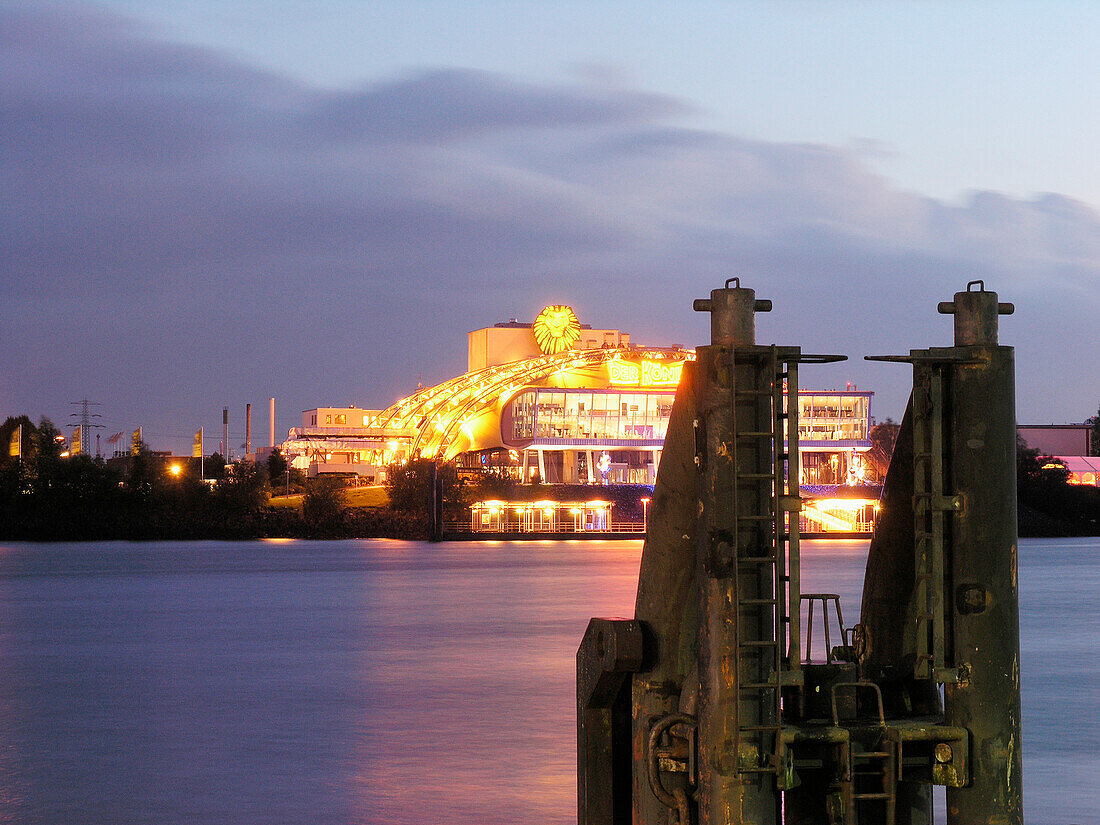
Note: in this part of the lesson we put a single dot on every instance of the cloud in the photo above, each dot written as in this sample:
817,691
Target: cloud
181,231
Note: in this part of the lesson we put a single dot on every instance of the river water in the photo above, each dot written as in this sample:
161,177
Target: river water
393,682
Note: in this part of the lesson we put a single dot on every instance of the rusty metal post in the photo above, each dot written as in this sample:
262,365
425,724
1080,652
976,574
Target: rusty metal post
984,602
667,601
610,651
731,791
732,314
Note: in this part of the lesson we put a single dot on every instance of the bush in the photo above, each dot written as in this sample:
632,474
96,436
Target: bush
323,505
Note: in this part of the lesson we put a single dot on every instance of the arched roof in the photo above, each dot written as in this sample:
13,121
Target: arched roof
438,413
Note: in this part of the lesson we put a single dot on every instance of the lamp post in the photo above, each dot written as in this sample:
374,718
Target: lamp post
645,515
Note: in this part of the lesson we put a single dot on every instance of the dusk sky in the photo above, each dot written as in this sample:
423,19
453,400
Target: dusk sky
206,203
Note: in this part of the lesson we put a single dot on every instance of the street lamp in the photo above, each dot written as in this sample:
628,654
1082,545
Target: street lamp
645,515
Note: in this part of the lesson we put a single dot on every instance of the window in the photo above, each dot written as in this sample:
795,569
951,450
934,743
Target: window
328,419
341,419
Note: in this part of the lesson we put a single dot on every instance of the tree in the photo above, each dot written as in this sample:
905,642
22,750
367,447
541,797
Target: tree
214,466
323,504
410,486
1035,472
144,472
244,487
15,471
276,466
7,429
45,464
883,436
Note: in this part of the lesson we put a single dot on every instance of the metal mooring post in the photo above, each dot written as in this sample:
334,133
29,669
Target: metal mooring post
940,599
984,693
718,595
703,708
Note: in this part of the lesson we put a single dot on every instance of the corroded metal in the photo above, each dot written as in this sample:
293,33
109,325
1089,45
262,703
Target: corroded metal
728,722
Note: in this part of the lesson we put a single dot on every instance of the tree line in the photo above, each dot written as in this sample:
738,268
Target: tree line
46,495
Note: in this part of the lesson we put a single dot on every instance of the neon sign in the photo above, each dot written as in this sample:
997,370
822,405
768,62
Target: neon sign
645,373
556,329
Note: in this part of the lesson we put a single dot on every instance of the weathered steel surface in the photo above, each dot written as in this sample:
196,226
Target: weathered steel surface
983,587
667,602
862,737
610,651
727,592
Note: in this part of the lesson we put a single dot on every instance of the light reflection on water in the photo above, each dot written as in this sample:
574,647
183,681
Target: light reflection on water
390,682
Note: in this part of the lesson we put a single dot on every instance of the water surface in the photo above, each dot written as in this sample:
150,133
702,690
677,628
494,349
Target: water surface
391,682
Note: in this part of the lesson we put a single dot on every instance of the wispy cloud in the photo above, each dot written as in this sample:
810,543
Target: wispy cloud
179,230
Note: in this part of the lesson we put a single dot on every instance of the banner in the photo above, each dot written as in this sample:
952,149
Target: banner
196,447
136,441
15,448
77,445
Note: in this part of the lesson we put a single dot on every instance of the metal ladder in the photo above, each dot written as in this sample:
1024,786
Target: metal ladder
864,768
929,504
760,422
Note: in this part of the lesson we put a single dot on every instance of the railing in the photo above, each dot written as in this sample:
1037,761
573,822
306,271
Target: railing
464,526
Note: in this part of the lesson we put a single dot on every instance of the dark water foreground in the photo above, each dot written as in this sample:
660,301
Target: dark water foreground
392,682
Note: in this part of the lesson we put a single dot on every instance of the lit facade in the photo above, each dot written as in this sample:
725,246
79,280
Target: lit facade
559,402
834,432
345,441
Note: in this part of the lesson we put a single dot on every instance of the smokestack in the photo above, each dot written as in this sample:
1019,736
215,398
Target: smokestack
271,402
247,430
225,432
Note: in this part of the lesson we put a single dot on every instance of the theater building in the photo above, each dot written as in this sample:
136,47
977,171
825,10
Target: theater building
558,401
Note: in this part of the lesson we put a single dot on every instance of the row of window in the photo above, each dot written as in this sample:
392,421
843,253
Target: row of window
557,414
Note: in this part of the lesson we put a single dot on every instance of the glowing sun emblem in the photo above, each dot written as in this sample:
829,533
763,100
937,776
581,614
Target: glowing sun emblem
556,329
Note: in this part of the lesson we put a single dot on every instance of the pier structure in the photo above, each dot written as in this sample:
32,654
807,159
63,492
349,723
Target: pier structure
715,704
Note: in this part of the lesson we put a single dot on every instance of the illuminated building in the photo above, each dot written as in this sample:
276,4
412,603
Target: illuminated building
1080,469
1057,439
834,431
558,401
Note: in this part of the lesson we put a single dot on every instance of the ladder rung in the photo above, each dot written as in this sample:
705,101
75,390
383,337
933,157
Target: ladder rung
758,686
758,643
759,728
754,392
756,475
755,434
756,601
756,559
760,517
871,755
763,769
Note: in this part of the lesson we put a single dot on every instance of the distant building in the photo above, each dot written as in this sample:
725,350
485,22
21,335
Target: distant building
344,441
1082,469
559,401
1057,439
